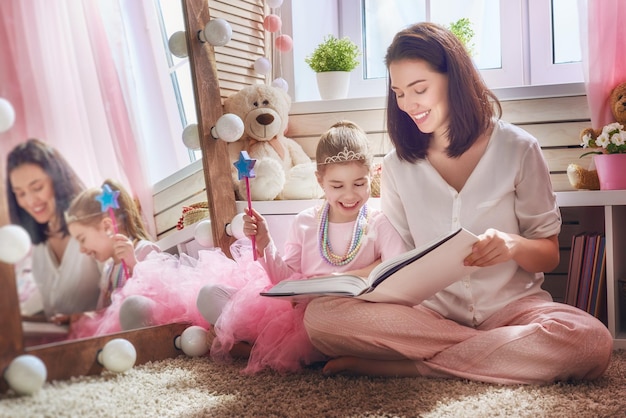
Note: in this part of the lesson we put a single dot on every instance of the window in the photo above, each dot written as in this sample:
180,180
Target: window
234,60
517,43
171,15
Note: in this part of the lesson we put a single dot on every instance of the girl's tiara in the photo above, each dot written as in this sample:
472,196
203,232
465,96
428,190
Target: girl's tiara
343,156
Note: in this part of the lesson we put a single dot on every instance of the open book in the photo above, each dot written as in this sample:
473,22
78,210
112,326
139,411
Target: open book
407,279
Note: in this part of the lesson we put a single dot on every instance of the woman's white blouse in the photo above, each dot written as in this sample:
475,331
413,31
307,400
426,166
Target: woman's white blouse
509,190
66,287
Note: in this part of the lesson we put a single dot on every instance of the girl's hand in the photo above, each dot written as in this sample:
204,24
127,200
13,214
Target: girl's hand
255,225
124,250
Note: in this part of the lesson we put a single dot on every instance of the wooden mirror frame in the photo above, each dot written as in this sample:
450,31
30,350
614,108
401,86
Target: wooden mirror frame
78,357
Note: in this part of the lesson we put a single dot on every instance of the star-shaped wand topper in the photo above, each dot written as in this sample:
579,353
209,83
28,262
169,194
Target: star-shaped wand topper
245,170
245,165
108,198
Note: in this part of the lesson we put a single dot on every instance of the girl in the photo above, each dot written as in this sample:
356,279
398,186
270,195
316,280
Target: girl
140,286
343,234
40,186
456,164
118,243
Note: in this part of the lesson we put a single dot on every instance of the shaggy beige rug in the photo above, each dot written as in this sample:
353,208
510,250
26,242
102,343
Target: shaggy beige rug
198,387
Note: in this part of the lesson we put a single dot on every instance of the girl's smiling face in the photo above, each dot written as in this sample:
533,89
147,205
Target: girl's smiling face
422,93
347,188
94,239
34,191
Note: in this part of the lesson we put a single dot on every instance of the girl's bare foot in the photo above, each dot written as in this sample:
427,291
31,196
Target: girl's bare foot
368,367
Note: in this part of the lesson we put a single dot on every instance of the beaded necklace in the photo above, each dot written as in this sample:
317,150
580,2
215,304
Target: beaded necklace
326,251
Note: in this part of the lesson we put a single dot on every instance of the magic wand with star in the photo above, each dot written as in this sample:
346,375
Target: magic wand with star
245,170
108,201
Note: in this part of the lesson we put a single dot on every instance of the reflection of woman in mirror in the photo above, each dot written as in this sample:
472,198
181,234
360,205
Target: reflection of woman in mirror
40,186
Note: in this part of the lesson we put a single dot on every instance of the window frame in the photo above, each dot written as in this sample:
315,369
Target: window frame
344,18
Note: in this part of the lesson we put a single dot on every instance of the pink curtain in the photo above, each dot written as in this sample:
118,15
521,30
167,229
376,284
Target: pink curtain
58,70
603,52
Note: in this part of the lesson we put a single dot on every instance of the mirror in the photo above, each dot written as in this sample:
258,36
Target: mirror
72,107
72,358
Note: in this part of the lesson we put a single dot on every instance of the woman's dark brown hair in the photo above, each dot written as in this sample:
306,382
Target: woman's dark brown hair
65,182
472,104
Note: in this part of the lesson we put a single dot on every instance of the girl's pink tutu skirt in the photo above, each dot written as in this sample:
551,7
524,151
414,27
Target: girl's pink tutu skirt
164,289
273,327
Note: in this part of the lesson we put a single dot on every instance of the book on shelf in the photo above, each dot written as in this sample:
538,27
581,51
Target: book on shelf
586,284
597,285
573,275
586,270
407,279
598,296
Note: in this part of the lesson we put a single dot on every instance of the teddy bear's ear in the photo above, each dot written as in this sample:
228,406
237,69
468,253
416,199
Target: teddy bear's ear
618,103
227,104
285,95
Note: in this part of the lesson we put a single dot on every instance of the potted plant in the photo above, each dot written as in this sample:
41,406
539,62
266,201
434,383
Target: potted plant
609,144
333,60
463,30
610,154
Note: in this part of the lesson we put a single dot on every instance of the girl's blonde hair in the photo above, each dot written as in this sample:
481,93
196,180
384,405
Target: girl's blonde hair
344,142
87,210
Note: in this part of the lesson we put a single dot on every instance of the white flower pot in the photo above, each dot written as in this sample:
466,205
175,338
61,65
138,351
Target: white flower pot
333,84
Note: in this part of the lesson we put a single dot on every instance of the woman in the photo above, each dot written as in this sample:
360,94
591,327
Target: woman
40,186
456,164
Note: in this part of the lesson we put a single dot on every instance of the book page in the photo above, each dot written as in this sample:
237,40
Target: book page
428,274
388,267
340,285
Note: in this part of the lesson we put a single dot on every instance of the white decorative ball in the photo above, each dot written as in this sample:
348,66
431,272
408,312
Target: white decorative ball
203,233
178,44
7,115
229,127
117,355
193,341
262,66
14,243
26,374
191,137
218,32
280,83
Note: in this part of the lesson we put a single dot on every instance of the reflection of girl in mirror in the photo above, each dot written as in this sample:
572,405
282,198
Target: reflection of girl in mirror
140,286
95,231
40,186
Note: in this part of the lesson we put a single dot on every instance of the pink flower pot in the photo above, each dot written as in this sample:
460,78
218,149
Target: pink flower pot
611,171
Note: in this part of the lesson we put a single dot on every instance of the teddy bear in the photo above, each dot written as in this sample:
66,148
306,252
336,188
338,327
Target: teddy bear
580,177
282,169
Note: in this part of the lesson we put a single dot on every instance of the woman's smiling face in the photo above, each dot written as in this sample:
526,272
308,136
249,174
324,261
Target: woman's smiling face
422,93
34,191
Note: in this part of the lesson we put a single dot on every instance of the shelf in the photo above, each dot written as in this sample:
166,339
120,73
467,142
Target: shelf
591,198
